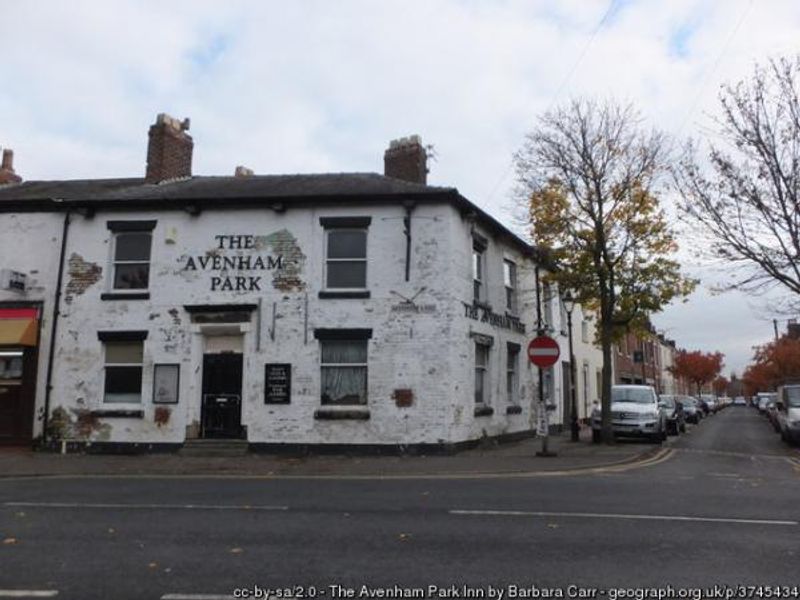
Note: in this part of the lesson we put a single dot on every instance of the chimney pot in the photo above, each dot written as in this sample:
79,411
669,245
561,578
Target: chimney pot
407,159
169,151
243,172
7,174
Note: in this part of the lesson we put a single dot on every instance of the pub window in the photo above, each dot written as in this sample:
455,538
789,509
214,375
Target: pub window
481,373
123,371
344,371
512,374
548,307
510,282
479,245
132,260
131,243
345,253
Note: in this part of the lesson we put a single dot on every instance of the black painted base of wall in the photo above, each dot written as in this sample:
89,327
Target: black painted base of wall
122,448
444,448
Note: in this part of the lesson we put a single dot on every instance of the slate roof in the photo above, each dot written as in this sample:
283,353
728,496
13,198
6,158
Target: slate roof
212,192
220,188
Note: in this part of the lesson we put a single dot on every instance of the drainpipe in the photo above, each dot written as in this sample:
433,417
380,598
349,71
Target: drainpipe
409,206
56,312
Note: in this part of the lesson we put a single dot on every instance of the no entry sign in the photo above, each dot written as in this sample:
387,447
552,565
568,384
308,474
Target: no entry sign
543,351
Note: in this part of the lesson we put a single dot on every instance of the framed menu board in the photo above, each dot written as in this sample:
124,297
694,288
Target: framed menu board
166,381
277,383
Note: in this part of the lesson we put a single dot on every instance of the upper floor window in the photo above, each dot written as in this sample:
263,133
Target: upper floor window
479,245
132,242
548,307
585,331
345,253
510,283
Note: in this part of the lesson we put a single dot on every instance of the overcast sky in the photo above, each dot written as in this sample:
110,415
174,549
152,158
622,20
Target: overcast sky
320,86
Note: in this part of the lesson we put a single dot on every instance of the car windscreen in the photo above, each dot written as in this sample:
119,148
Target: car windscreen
639,395
793,396
689,401
668,401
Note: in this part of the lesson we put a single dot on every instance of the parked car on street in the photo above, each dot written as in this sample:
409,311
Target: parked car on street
772,414
740,401
635,412
763,399
692,409
788,413
710,403
676,417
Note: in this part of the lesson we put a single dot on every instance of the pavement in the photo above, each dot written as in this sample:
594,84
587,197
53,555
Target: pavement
488,459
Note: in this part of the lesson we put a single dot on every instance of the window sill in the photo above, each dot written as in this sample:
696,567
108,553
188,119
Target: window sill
118,414
125,296
329,294
332,414
514,410
484,411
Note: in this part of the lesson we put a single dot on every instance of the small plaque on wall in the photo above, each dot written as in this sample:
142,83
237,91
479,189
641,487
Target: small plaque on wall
166,382
277,383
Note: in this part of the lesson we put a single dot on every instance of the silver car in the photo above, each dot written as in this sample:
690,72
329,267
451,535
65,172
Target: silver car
635,412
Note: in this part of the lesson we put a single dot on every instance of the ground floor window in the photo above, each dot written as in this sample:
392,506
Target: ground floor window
123,371
512,374
481,373
344,371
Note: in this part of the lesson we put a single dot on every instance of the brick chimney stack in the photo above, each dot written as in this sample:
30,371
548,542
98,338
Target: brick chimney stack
7,174
169,151
406,159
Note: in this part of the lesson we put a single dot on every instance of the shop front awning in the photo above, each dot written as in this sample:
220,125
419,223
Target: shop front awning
18,332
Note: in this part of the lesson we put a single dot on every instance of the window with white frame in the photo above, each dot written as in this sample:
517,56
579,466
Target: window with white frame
512,374
131,244
344,371
548,307
345,252
510,283
123,371
479,245
481,372
585,331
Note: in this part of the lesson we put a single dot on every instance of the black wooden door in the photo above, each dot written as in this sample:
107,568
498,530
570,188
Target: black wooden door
222,396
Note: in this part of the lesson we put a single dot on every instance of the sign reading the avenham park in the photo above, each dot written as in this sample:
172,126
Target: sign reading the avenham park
238,263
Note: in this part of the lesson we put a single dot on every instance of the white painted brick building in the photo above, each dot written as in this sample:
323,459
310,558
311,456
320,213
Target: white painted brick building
338,309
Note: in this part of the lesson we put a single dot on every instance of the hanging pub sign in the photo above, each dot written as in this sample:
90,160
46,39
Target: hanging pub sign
277,383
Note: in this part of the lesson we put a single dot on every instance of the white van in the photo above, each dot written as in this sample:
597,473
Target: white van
788,407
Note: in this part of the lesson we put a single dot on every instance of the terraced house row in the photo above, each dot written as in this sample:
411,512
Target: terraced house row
339,309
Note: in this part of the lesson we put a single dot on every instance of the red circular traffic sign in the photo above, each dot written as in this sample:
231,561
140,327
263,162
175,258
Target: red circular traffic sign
543,351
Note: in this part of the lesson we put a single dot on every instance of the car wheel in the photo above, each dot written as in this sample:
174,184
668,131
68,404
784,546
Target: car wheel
683,427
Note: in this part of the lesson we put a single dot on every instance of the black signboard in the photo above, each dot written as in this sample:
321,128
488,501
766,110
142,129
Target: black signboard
277,383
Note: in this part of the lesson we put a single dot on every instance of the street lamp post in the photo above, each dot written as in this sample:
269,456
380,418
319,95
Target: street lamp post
569,305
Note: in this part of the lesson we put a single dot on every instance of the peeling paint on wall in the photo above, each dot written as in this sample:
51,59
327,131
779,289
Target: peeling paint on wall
283,243
82,275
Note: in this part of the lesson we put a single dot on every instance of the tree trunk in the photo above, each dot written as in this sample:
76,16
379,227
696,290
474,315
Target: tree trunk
605,401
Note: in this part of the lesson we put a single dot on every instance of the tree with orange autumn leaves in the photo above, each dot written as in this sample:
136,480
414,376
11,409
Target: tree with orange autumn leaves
699,367
589,176
773,363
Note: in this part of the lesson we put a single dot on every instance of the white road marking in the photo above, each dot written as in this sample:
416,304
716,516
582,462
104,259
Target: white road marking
146,506
195,597
28,593
582,515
